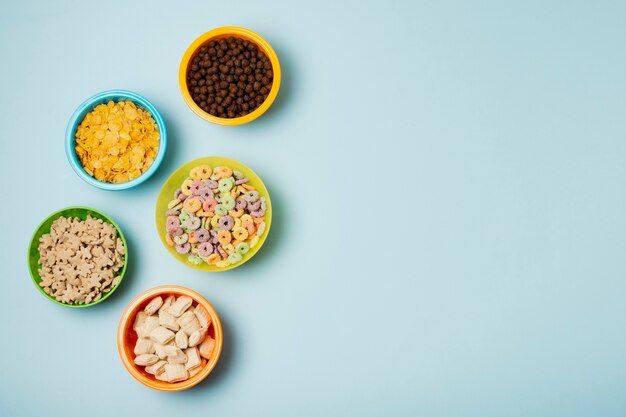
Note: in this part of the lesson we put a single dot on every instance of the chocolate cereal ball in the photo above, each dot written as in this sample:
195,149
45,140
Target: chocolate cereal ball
229,77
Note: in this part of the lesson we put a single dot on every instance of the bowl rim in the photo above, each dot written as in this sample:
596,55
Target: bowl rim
78,116
224,31
58,213
126,318
260,244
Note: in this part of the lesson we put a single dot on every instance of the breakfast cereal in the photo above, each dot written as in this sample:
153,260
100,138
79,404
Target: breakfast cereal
80,259
117,141
216,216
168,354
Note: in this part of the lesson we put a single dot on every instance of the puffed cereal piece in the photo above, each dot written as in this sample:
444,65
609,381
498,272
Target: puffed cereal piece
151,323
178,357
153,306
171,350
206,347
182,340
161,335
146,359
197,337
157,368
140,321
189,323
175,372
167,303
168,321
180,306
159,350
193,358
203,316
144,346
197,369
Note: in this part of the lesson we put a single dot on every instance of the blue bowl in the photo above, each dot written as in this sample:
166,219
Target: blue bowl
89,105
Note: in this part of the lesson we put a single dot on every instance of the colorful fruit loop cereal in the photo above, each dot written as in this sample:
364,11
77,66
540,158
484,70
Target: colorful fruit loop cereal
117,142
216,216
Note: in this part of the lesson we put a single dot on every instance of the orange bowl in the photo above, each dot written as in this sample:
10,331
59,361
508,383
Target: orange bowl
126,338
217,34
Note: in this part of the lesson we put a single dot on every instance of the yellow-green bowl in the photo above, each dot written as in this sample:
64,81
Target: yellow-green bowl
174,182
33,250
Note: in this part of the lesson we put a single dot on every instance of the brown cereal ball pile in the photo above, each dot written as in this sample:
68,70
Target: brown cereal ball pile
230,77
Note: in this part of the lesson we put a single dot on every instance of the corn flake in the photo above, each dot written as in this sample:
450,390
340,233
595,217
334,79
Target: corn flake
117,142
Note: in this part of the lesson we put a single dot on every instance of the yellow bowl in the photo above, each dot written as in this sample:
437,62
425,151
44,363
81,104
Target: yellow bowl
217,34
174,182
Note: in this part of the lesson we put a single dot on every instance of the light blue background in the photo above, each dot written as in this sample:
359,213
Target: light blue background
450,208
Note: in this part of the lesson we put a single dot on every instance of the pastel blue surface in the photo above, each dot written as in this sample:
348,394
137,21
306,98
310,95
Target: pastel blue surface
87,106
449,190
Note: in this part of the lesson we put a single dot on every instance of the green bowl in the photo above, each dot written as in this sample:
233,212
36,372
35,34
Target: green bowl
44,227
